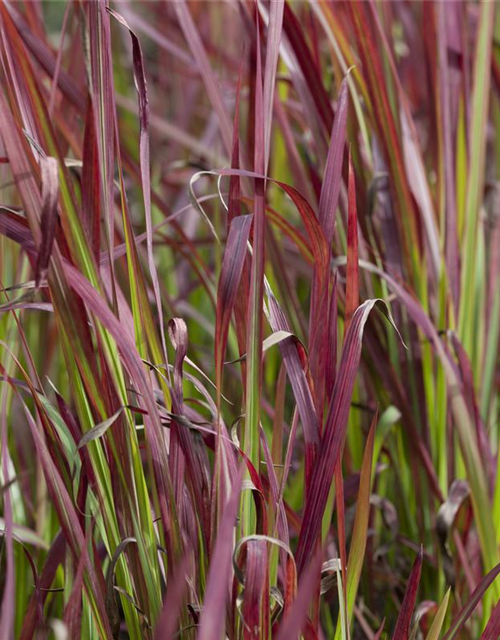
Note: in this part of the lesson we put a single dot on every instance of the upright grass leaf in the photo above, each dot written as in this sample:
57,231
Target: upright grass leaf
255,324
352,286
318,340
272,52
8,597
214,609
294,622
402,630
475,598
334,433
176,591
231,270
492,629
142,93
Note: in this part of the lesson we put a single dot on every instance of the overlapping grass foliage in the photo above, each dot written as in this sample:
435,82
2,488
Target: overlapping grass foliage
250,282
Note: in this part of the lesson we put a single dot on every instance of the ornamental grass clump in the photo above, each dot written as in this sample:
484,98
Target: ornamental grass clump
249,320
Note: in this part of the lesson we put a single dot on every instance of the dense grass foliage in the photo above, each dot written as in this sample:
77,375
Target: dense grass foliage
249,320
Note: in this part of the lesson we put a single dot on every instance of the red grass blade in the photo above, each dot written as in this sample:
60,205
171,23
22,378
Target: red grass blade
198,50
334,434
230,276
333,170
272,53
142,93
402,630
293,623
217,589
176,590
352,286
492,630
471,604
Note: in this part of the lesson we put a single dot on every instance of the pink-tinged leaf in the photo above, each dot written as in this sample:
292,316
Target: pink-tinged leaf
233,203
319,245
274,497
142,94
195,43
9,580
255,306
18,304
103,103
448,125
34,612
45,57
72,617
333,171
166,627
402,630
334,434
219,574
352,286
492,630
16,228
319,328
231,270
186,453
331,359
294,622
312,74
471,604
91,195
48,222
295,370
256,593
272,52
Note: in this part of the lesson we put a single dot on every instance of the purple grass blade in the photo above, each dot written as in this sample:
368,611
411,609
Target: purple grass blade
256,593
142,93
9,579
231,270
219,574
447,123
352,285
333,171
102,94
34,612
195,43
312,74
402,630
91,186
16,228
294,622
471,604
72,611
492,630
168,621
273,46
334,434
